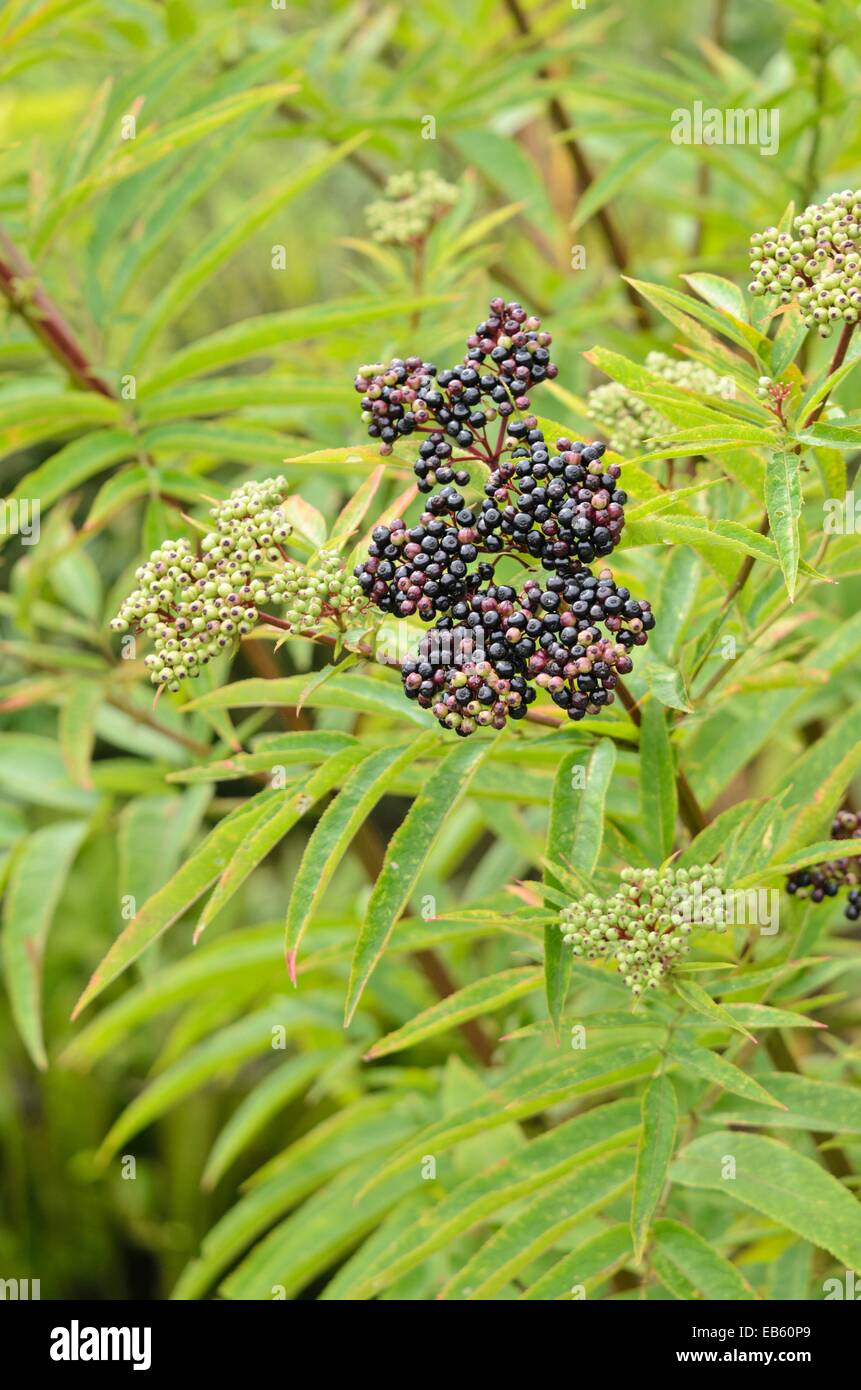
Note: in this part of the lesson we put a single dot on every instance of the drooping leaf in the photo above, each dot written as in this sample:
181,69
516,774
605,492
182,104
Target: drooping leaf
36,882
657,1140
408,849
657,783
199,871
783,502
481,997
680,1251
574,837
335,830
520,1241
777,1182
712,1067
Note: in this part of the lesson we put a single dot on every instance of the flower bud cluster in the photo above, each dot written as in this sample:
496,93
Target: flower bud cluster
645,927
631,424
818,264
411,205
199,604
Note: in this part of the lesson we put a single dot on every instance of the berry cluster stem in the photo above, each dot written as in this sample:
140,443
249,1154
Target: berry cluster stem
584,175
689,808
31,302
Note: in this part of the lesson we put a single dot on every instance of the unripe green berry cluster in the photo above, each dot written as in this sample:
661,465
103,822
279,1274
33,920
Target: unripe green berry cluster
197,605
645,926
629,423
410,207
308,595
818,265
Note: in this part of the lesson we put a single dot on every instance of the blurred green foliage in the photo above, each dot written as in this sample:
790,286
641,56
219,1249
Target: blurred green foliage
190,285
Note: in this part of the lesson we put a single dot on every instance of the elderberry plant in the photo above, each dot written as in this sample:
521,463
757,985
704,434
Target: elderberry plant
294,809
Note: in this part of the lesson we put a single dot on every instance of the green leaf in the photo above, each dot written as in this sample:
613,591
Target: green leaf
534,1166
614,177
281,814
335,830
588,1264
354,511
75,464
218,1055
680,1251
681,309
317,1236
780,1184
657,1140
712,1067
720,293
675,601
657,782
407,852
250,954
267,332
77,728
667,684
365,1127
117,492
811,1103
828,384
152,145
261,1104
530,1091
222,243
538,1227
804,858
833,435
574,837
788,339
483,996
697,998
36,882
199,871
305,519
362,694
783,502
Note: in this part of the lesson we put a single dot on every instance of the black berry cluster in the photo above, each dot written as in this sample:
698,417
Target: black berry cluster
422,569
512,346
482,664
825,880
564,507
506,356
561,506
469,674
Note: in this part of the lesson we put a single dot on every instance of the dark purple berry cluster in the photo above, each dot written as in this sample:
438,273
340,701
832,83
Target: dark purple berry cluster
491,648
482,664
506,356
513,345
600,600
391,404
564,508
468,674
825,880
423,568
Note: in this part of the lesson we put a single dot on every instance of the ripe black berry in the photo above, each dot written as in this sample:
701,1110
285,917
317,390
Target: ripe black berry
825,880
